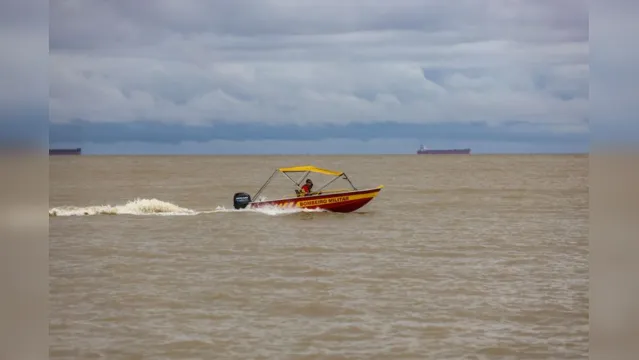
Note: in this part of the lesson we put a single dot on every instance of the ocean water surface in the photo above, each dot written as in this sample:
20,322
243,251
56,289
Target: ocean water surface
459,257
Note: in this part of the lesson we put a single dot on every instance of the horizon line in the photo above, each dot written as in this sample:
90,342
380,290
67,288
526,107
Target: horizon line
320,154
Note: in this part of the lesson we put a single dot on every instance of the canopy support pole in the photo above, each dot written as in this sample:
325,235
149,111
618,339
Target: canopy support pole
349,181
263,186
302,178
335,178
294,182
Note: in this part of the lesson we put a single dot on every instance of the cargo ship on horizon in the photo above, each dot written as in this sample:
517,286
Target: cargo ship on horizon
424,151
76,151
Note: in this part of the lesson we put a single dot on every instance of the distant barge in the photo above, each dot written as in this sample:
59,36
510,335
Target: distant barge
423,151
76,151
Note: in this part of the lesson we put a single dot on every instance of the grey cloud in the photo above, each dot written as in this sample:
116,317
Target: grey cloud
283,62
285,93
255,17
139,22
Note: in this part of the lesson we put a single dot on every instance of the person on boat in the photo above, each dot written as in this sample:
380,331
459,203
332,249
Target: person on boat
306,189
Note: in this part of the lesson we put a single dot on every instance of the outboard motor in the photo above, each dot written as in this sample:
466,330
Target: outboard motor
241,200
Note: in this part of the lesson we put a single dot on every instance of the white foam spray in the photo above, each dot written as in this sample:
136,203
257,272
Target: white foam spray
135,207
158,207
268,210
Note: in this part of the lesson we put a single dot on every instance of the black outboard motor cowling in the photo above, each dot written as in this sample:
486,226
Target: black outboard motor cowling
241,200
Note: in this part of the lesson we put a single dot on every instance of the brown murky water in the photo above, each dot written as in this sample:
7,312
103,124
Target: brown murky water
477,257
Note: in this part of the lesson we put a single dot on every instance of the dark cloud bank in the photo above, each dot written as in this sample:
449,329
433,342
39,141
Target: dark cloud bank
154,132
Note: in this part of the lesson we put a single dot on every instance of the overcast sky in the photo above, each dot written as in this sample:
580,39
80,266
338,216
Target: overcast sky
504,75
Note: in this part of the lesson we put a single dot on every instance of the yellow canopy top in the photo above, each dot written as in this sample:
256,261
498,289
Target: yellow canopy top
310,169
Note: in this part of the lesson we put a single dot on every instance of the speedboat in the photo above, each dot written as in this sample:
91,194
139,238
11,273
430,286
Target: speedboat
342,201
